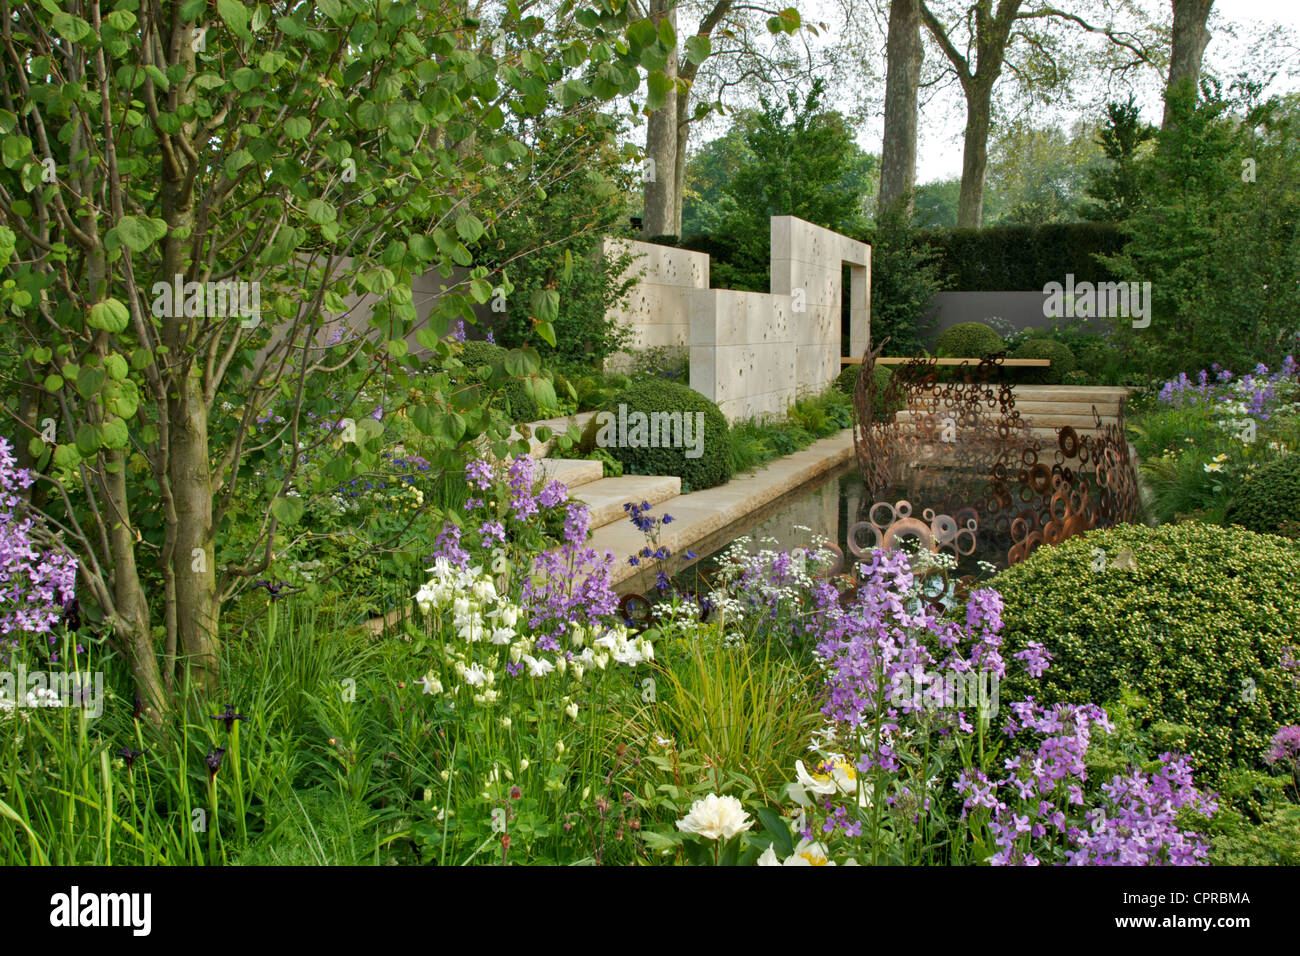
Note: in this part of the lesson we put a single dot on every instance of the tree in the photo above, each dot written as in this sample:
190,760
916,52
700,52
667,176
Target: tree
1216,234
660,216
1113,186
1028,43
1189,40
1038,175
904,53
165,179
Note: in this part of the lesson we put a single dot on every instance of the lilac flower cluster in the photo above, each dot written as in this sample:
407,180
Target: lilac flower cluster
1284,749
36,581
1036,810
1256,391
572,582
1137,824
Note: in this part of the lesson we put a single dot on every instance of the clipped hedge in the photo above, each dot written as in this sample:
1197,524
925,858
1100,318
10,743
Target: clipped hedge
847,381
632,449
1198,626
1062,359
968,340
1269,497
513,397
1023,258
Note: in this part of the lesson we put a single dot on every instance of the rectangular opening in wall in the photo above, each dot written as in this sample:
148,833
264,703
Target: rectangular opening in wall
846,299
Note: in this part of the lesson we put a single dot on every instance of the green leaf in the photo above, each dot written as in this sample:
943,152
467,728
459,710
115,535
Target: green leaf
53,383
773,824
237,161
113,433
73,29
397,348
109,315
138,233
297,127
16,149
546,304
698,49
321,212
287,510
235,14
547,332
469,227
88,439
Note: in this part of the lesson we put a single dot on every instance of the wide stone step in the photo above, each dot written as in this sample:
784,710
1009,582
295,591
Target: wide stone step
1038,420
607,496
573,472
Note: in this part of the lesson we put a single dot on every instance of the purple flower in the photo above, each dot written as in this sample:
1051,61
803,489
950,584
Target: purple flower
1285,748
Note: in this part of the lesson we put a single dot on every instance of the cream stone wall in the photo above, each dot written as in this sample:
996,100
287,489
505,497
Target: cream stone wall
752,353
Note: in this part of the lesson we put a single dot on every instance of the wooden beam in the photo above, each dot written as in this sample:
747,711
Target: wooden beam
901,360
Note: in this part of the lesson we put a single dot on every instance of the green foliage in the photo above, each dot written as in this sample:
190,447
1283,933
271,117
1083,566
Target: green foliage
1113,188
796,160
1198,626
968,340
847,381
652,397
1269,497
905,276
486,362
756,441
1059,354
583,181
1217,234
1037,175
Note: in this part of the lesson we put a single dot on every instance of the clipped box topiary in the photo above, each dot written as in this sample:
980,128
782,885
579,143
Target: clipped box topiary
972,340
1198,624
513,397
658,427
1059,354
1269,497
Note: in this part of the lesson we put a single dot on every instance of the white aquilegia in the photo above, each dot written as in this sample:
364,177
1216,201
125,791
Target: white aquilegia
716,818
834,774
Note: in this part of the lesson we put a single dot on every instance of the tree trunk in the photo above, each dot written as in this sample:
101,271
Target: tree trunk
189,467
679,165
975,156
1190,38
904,53
661,145
190,476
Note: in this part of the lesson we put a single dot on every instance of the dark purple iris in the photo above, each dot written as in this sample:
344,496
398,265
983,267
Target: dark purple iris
229,716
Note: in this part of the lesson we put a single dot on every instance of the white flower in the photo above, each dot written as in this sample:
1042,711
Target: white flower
502,635
572,710
431,684
537,668
768,858
715,817
833,774
485,590
475,676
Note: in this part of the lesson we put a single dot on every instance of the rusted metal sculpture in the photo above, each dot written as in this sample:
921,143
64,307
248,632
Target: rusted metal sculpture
963,471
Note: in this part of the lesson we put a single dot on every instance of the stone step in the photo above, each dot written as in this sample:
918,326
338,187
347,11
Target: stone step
1041,421
606,496
573,472
540,449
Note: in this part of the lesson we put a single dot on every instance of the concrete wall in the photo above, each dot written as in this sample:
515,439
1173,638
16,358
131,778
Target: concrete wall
752,353
1024,310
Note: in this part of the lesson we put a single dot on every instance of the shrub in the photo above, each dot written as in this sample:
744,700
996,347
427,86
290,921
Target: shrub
1077,377
513,397
847,381
1199,626
1269,497
968,340
649,397
1059,354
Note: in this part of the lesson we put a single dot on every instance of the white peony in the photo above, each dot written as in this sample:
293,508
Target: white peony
716,818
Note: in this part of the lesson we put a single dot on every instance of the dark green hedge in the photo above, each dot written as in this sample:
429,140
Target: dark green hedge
1022,258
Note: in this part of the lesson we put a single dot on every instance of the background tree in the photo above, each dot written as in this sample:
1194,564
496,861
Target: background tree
904,53
1113,185
1189,38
